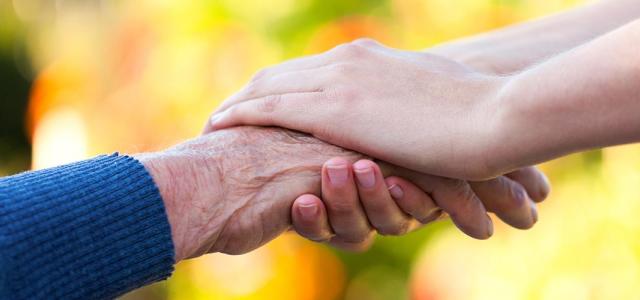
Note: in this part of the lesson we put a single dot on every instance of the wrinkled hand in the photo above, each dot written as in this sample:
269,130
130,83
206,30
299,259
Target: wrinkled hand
413,109
395,206
231,191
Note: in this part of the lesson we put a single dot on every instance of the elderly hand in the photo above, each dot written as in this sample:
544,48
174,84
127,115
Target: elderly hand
413,109
395,206
233,190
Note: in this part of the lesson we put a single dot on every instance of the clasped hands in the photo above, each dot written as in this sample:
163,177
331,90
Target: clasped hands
423,133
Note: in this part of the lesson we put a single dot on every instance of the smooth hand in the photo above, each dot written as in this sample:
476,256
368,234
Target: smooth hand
412,109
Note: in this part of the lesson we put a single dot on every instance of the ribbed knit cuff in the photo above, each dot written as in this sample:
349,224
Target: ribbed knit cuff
92,230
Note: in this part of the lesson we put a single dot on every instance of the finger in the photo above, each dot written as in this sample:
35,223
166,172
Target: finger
508,200
340,243
463,206
288,110
383,213
310,220
296,64
455,197
293,82
412,200
346,216
534,181
293,65
334,55
305,67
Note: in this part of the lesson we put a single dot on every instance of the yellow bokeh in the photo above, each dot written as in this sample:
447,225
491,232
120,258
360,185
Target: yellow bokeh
289,268
136,76
585,245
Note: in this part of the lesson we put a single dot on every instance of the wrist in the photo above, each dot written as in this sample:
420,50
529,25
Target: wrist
480,141
501,147
161,169
518,134
174,175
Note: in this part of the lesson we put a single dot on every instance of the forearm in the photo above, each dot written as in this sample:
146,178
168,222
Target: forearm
519,46
586,98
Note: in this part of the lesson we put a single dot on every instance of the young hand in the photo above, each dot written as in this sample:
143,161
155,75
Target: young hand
413,109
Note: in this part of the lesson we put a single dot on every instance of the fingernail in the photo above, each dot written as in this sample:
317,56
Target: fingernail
489,227
308,211
396,192
364,175
338,174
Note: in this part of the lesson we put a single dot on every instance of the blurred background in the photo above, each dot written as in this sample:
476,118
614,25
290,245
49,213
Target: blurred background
81,78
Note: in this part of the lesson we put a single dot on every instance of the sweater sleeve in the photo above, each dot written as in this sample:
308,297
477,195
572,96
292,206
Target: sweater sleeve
89,230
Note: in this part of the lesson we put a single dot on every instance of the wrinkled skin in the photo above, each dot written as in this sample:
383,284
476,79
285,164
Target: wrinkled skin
243,182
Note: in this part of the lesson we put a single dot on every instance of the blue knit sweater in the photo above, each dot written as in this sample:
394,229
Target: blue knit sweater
89,230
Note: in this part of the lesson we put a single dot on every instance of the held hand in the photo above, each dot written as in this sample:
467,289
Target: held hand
231,191
412,109
394,206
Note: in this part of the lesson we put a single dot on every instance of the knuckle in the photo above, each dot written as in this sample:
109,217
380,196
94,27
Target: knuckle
510,194
350,50
506,196
269,103
518,196
365,42
342,207
461,192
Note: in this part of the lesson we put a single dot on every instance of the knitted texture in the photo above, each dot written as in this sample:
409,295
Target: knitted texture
89,230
